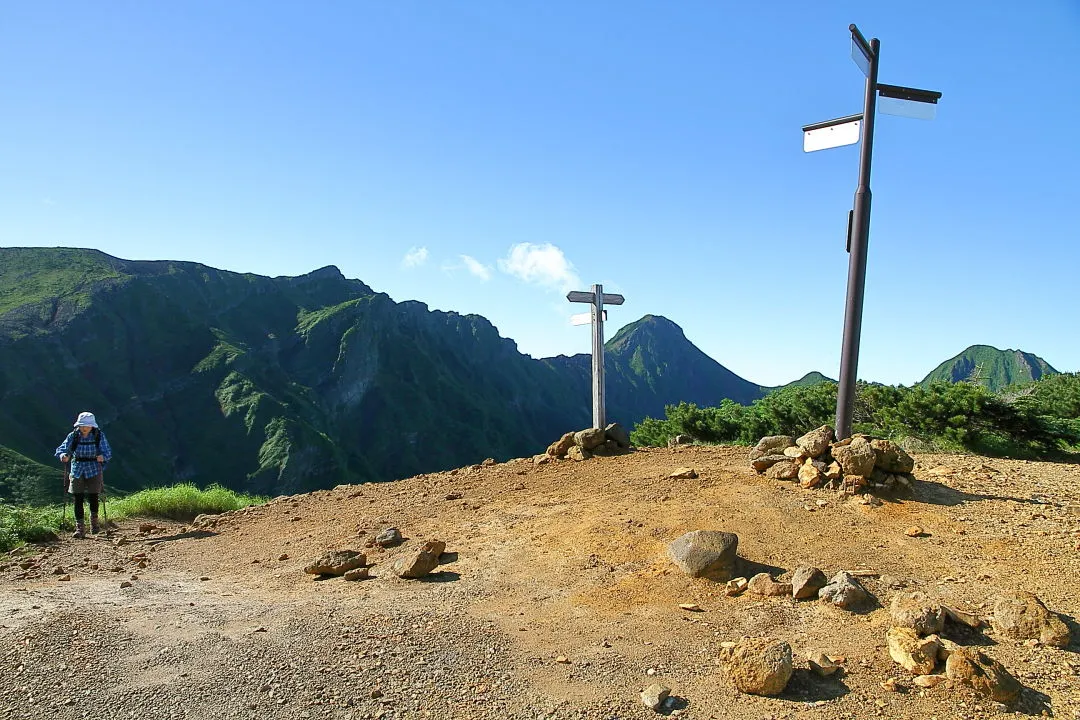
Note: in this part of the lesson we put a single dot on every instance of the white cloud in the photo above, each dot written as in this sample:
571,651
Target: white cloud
415,257
476,267
543,265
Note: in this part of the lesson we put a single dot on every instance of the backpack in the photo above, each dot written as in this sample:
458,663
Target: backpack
94,433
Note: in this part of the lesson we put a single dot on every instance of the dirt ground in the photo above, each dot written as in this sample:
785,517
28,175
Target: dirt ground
555,598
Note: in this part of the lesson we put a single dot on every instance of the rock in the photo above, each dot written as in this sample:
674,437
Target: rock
962,617
809,475
820,663
771,445
542,459
785,469
420,562
892,685
125,584
765,462
488,462
915,611
806,582
654,696
560,447
1023,616
610,448
690,607
562,660
336,562
589,438
618,434
147,528
705,553
914,531
204,521
891,458
928,681
759,666
59,570
984,674
683,473
679,440
578,453
67,578
389,537
763,584
357,574
843,591
736,586
916,654
795,452
816,442
856,458
833,471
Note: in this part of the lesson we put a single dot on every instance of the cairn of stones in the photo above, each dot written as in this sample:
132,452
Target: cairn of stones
587,443
816,459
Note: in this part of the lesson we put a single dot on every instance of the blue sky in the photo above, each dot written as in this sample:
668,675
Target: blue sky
485,157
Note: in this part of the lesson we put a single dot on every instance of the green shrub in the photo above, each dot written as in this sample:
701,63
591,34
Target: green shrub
181,502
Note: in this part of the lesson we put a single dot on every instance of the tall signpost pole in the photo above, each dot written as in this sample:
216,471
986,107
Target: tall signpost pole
905,101
597,298
860,239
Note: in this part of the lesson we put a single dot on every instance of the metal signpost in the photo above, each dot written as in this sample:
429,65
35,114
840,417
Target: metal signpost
596,315
908,102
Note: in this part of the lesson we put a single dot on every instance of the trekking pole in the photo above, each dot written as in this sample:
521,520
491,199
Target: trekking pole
104,505
64,492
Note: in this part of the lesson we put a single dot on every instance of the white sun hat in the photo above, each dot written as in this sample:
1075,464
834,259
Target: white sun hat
87,419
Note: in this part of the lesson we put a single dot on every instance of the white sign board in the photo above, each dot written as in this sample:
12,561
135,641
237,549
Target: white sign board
832,136
584,318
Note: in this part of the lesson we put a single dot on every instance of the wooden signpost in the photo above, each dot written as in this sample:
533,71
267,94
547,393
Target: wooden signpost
596,316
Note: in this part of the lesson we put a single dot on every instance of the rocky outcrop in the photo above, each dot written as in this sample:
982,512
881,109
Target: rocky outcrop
588,443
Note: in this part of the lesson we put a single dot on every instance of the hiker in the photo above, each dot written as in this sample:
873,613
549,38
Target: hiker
88,451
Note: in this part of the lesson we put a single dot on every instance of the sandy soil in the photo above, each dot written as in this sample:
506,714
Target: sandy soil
555,599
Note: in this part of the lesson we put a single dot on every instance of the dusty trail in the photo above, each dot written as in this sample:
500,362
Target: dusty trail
556,598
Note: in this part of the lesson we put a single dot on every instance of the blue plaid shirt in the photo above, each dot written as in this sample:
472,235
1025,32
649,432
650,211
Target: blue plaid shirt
84,463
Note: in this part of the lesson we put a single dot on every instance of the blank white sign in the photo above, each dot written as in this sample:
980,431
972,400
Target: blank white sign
832,136
584,318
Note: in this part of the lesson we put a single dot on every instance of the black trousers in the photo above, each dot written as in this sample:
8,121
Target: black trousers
79,498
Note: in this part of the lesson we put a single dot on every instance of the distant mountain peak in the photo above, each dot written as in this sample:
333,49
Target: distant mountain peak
990,367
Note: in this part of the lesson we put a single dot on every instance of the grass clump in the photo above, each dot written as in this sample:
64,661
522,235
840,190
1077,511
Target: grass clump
181,502
20,524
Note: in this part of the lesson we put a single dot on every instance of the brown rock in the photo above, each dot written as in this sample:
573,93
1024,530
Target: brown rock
914,531
705,553
759,666
857,458
578,453
683,473
1023,616
833,471
771,445
357,574
589,438
542,459
915,611
987,676
820,663
795,452
806,582
763,584
767,461
336,562
962,617
891,458
786,469
616,433
420,562
816,442
809,475
916,654
736,586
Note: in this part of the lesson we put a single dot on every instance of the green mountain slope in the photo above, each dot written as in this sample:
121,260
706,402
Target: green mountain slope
995,369
282,385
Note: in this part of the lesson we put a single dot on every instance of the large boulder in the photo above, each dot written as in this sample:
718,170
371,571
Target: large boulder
916,654
589,438
843,591
1023,616
420,562
816,442
891,458
706,553
336,562
915,611
856,458
771,445
560,447
987,676
616,432
785,469
759,666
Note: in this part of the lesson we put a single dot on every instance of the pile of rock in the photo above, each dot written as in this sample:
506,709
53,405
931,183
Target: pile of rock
584,444
353,565
815,460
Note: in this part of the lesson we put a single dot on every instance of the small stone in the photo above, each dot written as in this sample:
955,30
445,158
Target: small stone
283,556
962,617
987,676
683,473
59,571
562,660
64,578
357,574
736,586
891,685
843,591
928,681
820,663
389,537
914,531
759,666
763,584
654,696
125,584
335,562
420,562
917,655
1024,616
915,611
785,469
806,582
204,578
691,607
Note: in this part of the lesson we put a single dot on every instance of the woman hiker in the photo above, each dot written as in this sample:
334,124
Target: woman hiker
88,451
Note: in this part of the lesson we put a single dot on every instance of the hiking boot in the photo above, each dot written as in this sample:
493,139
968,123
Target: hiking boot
80,531
94,527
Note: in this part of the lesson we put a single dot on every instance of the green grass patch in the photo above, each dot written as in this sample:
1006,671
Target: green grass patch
20,524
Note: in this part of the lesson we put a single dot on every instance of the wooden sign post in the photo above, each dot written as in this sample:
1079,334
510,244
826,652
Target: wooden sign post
597,298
